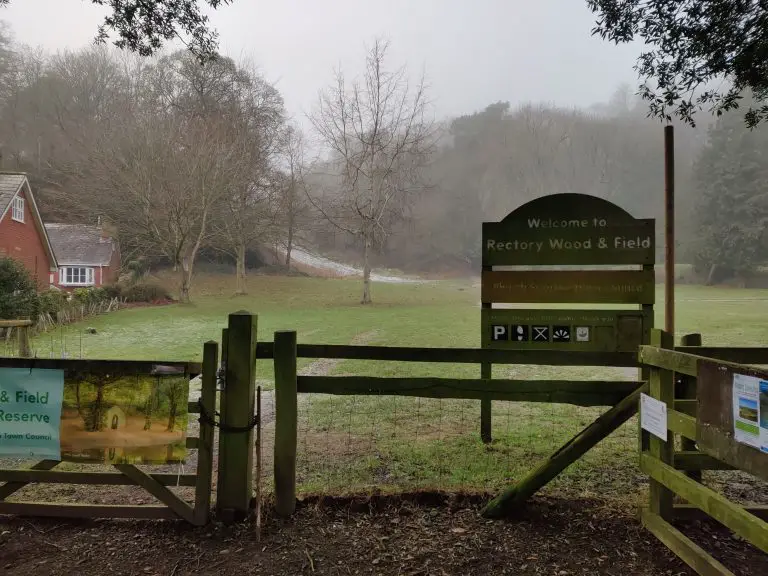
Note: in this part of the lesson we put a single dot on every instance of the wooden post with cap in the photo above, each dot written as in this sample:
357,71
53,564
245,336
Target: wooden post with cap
238,398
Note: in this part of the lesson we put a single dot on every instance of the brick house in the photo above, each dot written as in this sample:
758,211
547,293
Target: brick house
87,255
23,236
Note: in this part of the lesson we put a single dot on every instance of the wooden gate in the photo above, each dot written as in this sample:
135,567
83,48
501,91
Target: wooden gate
723,427
172,506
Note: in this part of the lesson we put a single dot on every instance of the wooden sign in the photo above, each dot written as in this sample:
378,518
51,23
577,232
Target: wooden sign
585,330
582,286
732,415
569,229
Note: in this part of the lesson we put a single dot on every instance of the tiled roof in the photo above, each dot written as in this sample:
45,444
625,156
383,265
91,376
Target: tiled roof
80,244
9,185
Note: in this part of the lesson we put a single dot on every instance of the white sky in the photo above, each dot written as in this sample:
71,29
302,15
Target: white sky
474,52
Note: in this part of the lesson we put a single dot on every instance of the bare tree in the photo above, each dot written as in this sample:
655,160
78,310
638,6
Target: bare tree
379,138
249,210
295,206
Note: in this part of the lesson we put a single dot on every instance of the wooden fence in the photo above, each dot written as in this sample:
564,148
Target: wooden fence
621,395
21,328
156,484
236,422
693,383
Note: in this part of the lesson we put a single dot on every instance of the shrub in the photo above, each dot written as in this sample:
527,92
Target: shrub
112,291
145,292
18,292
51,301
81,295
89,295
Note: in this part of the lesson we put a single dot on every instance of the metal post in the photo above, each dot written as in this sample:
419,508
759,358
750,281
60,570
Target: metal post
669,230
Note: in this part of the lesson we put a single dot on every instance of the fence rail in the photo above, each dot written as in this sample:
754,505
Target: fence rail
579,393
116,367
172,506
678,473
619,395
266,350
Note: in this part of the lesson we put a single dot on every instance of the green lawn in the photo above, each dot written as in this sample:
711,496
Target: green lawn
326,310
393,443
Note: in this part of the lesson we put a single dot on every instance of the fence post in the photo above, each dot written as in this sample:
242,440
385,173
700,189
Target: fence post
686,390
662,387
24,348
235,475
205,447
286,422
486,408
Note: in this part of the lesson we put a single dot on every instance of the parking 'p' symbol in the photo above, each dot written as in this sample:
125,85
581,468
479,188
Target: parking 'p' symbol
499,332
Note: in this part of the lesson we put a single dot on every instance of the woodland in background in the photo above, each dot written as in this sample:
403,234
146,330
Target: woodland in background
187,161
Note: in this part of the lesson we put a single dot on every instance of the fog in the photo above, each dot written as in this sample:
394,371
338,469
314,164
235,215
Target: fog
474,53
496,103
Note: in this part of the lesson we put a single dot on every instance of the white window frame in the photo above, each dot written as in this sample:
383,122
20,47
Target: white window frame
17,209
77,276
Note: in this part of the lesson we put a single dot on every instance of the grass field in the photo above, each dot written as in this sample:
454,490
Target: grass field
352,444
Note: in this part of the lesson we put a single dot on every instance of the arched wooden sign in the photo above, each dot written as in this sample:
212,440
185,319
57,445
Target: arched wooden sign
573,230
568,229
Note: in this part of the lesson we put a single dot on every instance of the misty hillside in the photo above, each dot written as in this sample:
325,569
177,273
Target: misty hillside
187,161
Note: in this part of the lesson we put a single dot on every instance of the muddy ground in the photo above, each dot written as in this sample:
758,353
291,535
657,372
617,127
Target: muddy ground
423,535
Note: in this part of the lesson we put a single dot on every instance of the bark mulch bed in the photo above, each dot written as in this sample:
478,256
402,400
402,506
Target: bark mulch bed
406,535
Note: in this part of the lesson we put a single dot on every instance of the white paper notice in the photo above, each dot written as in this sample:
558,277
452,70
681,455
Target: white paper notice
748,425
653,416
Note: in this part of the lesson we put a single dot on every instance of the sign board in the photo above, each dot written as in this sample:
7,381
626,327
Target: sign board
569,229
30,412
137,419
653,416
750,411
588,286
732,416
587,330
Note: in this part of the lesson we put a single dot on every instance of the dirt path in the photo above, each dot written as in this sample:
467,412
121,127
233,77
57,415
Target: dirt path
385,537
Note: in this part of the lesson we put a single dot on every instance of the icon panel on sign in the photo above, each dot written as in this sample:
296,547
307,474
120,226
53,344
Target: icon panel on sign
582,333
561,333
519,333
499,332
540,333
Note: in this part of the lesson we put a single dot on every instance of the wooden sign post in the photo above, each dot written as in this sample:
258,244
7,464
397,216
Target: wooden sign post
604,256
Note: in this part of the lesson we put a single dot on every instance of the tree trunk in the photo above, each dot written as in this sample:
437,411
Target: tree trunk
171,419
186,280
289,246
240,283
711,275
148,413
366,271
188,260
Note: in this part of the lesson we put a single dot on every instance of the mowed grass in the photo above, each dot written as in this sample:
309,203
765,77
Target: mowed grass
353,444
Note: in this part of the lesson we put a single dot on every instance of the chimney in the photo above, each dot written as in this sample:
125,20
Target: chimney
107,231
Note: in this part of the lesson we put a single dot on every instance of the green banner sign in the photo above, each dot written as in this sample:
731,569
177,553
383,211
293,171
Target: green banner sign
112,418
30,411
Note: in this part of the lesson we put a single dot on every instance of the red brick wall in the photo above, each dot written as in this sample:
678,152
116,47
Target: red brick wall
22,241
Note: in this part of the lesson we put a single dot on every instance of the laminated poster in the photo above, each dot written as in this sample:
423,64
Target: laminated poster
750,411
30,412
116,419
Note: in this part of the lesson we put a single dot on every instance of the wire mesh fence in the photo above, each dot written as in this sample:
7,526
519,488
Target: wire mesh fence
372,443
357,444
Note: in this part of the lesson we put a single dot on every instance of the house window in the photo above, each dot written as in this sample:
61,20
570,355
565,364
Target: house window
77,276
17,211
